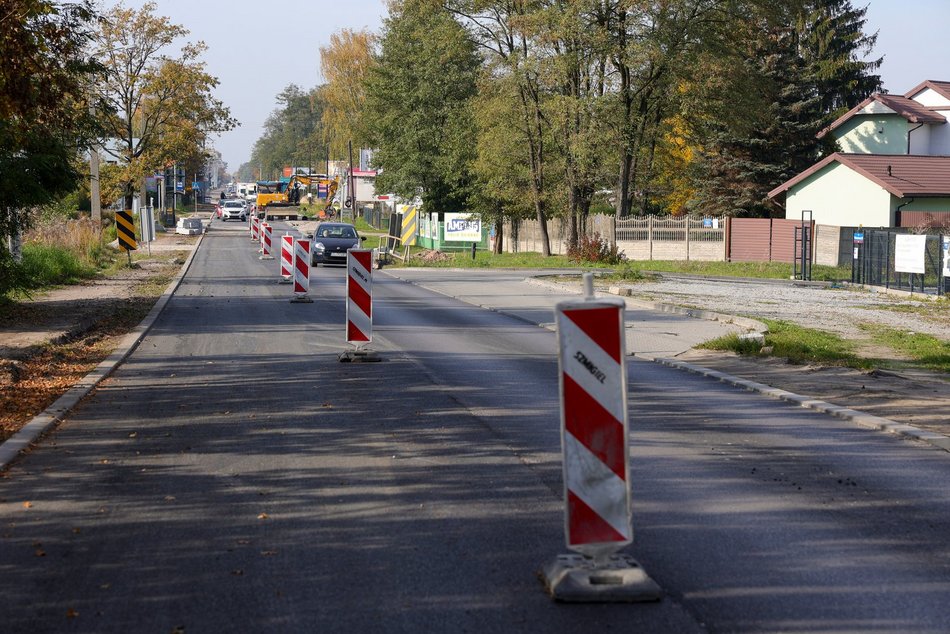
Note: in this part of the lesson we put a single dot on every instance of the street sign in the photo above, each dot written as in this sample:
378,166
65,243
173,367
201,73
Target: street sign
859,237
125,230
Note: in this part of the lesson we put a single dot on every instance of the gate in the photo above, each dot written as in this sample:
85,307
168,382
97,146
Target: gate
876,260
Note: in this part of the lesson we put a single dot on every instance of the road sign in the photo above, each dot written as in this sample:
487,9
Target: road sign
859,237
125,231
359,296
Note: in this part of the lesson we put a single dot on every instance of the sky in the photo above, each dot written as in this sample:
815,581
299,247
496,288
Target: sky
256,49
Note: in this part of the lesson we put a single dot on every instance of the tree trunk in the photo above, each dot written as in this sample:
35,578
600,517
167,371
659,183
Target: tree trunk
499,236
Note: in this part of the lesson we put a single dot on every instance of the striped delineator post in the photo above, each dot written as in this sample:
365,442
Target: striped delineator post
593,389
593,381
301,271
359,296
255,229
266,242
286,258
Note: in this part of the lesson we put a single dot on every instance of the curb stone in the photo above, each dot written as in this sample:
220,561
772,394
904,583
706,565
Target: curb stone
21,441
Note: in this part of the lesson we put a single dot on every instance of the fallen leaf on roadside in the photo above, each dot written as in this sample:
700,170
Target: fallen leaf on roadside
237,573
27,505
268,553
263,516
40,552
133,434
71,613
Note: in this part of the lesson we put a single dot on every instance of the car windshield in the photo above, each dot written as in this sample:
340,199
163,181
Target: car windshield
336,232
233,204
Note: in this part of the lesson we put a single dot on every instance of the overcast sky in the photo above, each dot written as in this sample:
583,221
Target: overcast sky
256,49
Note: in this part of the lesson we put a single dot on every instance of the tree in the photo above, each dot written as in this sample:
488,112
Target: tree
418,107
833,44
346,64
161,107
291,133
44,119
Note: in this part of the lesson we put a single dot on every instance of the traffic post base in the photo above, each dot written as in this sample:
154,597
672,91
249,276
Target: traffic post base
359,356
617,578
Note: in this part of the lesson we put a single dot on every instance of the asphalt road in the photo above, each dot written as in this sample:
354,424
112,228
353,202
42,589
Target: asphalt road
234,476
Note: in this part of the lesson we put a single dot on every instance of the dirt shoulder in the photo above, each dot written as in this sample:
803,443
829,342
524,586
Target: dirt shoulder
52,340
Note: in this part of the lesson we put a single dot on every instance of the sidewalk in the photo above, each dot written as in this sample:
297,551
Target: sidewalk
914,405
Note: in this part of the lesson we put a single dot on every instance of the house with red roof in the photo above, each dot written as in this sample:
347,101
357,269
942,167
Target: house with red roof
892,168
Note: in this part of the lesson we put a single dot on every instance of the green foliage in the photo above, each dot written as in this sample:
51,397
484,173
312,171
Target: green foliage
418,105
293,136
797,344
594,249
925,350
43,123
45,265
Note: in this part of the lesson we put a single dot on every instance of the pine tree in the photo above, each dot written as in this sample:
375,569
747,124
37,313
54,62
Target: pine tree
833,44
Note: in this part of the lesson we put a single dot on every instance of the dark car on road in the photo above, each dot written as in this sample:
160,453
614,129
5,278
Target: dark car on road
330,242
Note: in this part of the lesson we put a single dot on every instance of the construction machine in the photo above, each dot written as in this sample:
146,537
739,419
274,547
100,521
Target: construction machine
281,199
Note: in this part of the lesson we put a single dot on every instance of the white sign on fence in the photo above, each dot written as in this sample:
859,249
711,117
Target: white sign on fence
909,253
463,228
946,256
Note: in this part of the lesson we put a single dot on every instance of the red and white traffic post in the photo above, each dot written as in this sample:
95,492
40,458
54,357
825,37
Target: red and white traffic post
255,229
301,271
286,258
359,304
266,239
593,389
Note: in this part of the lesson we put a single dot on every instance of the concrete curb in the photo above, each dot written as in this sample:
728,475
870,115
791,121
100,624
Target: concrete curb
21,441
861,418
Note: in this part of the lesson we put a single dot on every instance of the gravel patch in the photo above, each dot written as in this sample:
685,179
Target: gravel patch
840,310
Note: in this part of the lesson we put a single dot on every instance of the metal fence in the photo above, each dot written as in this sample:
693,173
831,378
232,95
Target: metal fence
876,262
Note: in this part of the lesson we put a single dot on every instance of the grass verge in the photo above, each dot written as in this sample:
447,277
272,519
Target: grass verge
925,350
797,344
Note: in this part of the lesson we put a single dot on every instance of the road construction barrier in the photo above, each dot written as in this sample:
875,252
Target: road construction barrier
593,389
286,258
359,296
256,229
301,270
125,231
594,425
266,241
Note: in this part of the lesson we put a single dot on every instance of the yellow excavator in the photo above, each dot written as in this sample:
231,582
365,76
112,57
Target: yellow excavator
280,199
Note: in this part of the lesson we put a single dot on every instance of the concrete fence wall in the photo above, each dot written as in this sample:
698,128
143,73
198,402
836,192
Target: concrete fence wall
712,239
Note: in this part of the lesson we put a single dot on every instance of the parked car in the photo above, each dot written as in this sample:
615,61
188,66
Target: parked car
330,242
233,209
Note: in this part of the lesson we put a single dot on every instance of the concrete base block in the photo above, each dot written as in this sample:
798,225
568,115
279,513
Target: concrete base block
266,257
359,356
578,579
301,299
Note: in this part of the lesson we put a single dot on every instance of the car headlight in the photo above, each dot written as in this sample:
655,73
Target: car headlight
318,246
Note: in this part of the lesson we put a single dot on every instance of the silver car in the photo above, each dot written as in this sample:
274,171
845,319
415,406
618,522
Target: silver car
232,209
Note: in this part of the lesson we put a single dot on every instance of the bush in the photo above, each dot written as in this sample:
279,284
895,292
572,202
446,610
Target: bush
595,249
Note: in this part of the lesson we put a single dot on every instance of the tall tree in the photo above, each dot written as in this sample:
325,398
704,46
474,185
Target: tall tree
44,120
418,108
293,133
506,32
153,95
743,164
832,42
345,64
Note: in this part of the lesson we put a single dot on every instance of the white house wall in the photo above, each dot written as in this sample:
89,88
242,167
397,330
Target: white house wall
920,139
882,134
931,99
837,195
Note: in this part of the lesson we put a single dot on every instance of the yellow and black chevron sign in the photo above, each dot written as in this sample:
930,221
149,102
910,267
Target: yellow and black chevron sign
125,230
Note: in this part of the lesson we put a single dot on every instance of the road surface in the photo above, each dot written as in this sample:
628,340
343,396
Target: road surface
234,476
